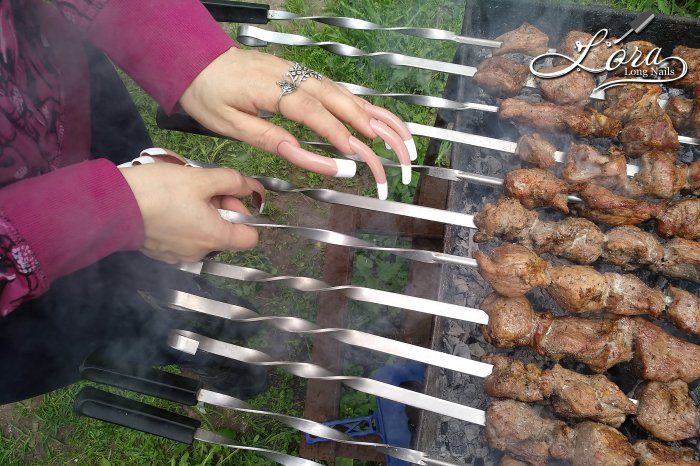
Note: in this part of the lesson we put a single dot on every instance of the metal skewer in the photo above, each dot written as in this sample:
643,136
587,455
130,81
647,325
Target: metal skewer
190,342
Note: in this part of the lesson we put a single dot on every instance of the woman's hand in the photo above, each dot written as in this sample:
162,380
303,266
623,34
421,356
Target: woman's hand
228,94
179,208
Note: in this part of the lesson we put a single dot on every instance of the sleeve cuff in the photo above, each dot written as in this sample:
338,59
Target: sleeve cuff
75,216
163,45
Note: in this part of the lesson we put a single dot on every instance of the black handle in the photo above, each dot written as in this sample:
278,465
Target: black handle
225,11
148,381
116,409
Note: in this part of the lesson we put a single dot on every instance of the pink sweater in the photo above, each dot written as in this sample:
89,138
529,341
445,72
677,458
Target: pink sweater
59,211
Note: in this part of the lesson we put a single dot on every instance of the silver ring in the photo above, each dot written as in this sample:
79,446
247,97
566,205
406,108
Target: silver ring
299,73
287,88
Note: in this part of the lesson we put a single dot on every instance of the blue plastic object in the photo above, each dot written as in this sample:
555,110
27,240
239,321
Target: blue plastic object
389,421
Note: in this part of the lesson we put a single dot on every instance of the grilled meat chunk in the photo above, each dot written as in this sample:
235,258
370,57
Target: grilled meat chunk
681,260
535,187
585,163
680,218
628,295
512,322
526,39
501,77
573,88
638,50
629,247
650,453
658,176
601,445
667,411
597,56
662,357
684,311
694,122
534,149
692,58
518,429
576,239
547,116
573,395
512,269
508,461
578,288
603,206
507,219
649,133
513,379
679,110
592,397
631,101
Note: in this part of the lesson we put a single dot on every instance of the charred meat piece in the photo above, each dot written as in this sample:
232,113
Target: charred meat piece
578,288
508,220
526,39
681,260
535,187
650,453
680,218
512,269
509,461
649,133
692,58
694,122
694,178
534,149
512,322
576,239
629,247
684,311
631,101
603,206
662,357
679,110
572,395
547,116
518,429
601,445
585,163
592,397
573,88
597,56
628,295
667,412
658,176
501,77
513,379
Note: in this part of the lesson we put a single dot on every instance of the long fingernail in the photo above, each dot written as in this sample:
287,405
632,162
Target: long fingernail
393,139
307,160
153,151
369,157
411,146
382,191
346,168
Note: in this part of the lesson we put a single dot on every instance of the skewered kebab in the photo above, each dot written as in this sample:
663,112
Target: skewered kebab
514,270
692,58
581,241
520,430
665,410
573,395
598,343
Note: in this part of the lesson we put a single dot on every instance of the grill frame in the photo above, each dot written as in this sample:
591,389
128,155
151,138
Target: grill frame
453,440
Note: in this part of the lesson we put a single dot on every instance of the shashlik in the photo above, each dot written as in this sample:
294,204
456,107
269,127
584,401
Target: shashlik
692,58
679,109
572,89
526,39
514,270
649,133
632,101
650,453
518,429
572,395
596,58
598,343
665,409
581,241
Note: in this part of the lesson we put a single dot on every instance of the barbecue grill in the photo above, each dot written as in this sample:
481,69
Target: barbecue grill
443,436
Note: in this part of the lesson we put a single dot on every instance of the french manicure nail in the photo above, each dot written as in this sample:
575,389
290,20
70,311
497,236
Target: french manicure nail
154,151
382,191
411,146
390,137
